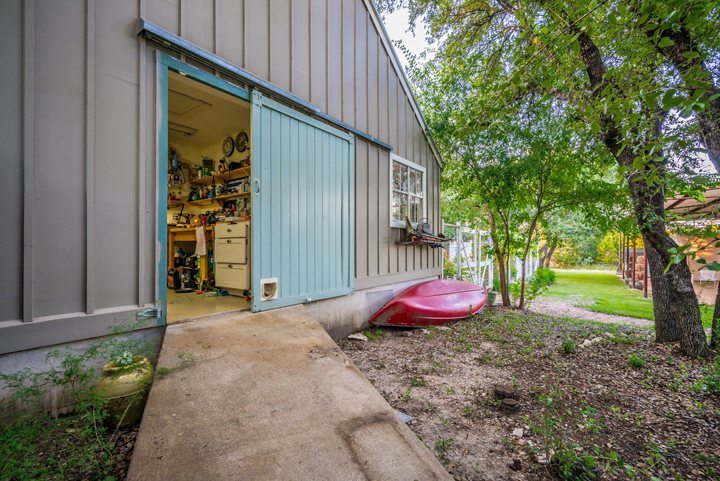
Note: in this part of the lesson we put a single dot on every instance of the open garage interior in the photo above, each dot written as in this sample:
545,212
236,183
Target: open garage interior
209,202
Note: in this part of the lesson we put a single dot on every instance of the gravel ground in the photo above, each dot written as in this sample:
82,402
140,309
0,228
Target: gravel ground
588,412
567,309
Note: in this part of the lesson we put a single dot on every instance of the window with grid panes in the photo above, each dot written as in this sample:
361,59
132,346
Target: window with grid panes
407,191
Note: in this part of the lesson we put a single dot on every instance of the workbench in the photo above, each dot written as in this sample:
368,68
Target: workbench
181,234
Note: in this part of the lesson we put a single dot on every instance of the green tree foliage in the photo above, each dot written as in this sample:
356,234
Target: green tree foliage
622,69
509,177
608,248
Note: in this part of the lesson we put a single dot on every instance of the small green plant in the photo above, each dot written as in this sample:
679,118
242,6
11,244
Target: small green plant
636,361
375,334
568,346
418,381
443,445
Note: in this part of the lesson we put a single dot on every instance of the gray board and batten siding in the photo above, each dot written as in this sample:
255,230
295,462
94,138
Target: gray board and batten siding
78,143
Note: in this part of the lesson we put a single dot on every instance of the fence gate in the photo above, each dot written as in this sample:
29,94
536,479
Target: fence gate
470,251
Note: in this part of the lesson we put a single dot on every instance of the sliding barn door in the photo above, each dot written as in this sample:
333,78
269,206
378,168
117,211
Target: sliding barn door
303,212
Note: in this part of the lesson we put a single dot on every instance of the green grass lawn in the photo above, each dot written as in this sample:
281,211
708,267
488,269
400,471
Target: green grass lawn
602,291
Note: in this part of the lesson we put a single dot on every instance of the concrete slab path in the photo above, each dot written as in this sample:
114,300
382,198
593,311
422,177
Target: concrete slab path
270,396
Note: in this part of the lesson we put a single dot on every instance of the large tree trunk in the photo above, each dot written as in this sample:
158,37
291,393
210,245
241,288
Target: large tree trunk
648,204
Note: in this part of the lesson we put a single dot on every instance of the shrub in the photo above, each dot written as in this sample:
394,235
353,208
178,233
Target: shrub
568,346
636,361
546,275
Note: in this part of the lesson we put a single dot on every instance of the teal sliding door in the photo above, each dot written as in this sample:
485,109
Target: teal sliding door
303,212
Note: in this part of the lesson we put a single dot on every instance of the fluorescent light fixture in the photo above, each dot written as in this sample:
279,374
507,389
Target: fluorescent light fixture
181,129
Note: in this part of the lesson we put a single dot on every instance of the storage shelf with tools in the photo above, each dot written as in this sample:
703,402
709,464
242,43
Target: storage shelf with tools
211,179
219,198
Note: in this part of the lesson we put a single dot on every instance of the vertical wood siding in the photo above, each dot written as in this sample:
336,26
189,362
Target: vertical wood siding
77,135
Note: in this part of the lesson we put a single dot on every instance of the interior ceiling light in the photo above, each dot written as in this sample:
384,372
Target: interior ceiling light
183,130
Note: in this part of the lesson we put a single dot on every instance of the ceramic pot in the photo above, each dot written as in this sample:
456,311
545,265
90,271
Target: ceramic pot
125,388
491,298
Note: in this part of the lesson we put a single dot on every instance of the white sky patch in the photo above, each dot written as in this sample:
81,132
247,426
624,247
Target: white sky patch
397,25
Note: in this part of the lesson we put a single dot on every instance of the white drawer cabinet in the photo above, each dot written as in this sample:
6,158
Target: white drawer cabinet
232,254
233,276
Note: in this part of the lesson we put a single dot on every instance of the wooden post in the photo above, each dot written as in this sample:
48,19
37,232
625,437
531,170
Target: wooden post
634,257
622,259
645,279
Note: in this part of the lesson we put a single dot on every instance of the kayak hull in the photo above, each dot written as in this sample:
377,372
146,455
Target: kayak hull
432,303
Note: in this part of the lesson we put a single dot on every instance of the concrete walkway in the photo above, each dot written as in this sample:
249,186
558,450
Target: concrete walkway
270,396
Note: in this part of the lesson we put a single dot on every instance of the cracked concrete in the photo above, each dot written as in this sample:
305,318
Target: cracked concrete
270,396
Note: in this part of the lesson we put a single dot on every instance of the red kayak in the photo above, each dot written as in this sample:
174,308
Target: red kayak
432,303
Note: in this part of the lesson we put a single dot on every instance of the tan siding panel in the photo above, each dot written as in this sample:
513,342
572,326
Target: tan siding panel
11,155
280,39
402,145
372,79
117,35
257,38
59,237
116,229
165,14
199,23
361,213
318,55
230,31
348,61
334,59
384,231
361,68
383,105
372,210
301,48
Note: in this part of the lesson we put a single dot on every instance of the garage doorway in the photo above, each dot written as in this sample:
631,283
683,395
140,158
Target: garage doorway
207,198
276,214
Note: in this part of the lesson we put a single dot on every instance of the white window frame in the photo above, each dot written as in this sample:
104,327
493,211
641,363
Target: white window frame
396,158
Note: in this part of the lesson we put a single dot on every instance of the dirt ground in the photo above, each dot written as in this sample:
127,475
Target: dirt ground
588,414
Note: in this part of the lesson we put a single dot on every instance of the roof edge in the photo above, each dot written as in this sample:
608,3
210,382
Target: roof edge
385,38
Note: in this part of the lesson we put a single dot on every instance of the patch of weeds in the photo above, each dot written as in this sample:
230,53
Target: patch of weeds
442,446
710,380
450,390
636,361
444,420
484,358
408,397
375,334
35,445
467,411
418,381
568,346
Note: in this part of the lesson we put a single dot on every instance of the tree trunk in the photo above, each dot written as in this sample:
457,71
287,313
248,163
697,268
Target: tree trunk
549,256
715,327
521,303
648,203
500,260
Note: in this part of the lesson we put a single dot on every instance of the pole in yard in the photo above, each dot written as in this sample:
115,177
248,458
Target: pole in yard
458,240
633,264
645,279
620,255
